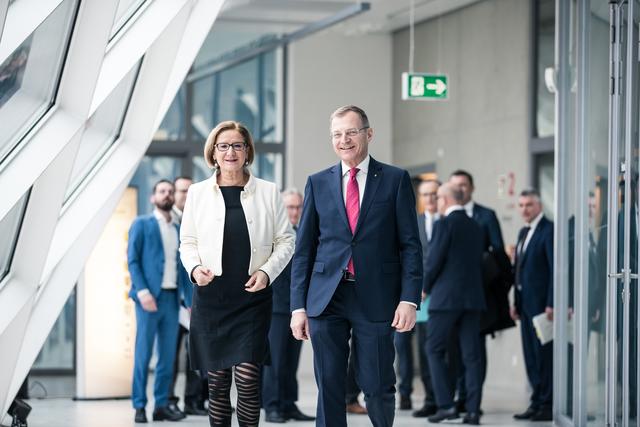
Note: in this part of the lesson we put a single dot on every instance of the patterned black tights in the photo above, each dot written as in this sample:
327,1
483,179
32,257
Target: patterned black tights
247,376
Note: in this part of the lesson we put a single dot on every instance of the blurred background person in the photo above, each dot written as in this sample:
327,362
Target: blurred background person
156,278
235,239
196,391
279,381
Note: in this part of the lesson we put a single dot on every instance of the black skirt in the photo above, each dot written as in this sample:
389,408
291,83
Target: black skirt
228,324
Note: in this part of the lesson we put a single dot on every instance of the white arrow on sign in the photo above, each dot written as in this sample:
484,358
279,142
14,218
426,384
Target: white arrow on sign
439,86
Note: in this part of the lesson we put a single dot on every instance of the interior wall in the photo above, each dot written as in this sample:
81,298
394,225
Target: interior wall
482,127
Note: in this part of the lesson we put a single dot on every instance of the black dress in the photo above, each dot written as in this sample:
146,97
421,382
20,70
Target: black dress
228,324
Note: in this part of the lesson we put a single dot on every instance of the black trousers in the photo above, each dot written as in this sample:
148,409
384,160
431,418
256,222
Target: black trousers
404,350
196,390
538,361
279,381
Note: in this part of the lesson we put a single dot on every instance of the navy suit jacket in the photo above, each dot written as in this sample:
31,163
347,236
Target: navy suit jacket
385,246
145,256
491,227
453,272
535,274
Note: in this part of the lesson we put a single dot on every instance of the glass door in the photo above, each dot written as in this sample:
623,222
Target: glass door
622,295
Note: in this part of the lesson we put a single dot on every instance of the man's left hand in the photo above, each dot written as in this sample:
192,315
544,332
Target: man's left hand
258,281
549,311
405,317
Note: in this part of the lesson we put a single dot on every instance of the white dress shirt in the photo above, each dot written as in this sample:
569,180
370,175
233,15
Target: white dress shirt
429,220
169,236
532,229
469,208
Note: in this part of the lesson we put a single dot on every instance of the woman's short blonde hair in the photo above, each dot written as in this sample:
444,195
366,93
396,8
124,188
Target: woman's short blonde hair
212,139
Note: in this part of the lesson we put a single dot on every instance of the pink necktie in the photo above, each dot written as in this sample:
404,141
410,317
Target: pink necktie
353,207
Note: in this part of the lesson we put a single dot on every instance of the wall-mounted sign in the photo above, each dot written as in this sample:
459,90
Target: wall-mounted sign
423,86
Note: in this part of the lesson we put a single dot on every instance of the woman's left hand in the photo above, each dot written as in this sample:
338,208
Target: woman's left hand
257,282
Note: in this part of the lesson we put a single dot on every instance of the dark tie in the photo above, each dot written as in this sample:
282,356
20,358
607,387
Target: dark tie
353,207
522,237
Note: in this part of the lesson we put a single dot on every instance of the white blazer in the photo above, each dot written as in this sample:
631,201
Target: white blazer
202,228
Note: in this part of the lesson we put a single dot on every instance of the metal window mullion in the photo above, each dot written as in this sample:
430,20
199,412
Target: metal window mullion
562,144
581,249
612,226
4,7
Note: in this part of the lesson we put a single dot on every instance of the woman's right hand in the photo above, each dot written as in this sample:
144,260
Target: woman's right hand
202,275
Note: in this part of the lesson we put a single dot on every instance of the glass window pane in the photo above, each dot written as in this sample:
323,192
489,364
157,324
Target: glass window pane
126,9
59,349
151,170
203,118
270,101
172,127
103,129
29,76
201,170
545,100
239,94
9,230
269,166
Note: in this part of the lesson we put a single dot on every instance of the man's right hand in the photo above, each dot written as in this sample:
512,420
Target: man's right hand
202,275
514,313
148,302
300,325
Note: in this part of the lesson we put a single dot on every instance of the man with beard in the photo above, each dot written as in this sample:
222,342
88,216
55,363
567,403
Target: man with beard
157,278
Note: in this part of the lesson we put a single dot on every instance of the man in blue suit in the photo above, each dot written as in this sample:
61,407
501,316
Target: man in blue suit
534,295
279,382
356,271
453,280
157,280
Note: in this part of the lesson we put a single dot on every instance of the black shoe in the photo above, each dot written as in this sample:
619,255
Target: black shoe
405,403
425,411
543,414
295,414
141,416
165,414
472,418
173,407
275,417
444,414
526,415
461,406
195,409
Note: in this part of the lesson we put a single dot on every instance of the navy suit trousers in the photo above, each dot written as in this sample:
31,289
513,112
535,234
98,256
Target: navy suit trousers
441,325
373,352
279,382
404,350
538,360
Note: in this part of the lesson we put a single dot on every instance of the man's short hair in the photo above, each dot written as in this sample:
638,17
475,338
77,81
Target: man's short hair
162,181
462,172
347,108
178,178
291,191
530,192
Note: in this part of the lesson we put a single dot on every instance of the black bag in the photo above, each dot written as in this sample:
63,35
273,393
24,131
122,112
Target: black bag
497,278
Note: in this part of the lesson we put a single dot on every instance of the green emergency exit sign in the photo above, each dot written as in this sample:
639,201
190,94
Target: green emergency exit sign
424,86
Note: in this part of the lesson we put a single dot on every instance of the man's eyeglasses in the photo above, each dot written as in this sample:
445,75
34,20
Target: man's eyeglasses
434,194
237,146
349,132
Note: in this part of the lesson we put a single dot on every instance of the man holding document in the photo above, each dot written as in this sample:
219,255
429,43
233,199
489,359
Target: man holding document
534,300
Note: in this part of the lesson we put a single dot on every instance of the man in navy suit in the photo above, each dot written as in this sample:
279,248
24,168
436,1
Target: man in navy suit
357,270
280,385
534,295
157,280
427,196
453,281
492,242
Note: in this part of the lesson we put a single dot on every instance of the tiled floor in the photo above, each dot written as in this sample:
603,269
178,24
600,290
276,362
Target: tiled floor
498,405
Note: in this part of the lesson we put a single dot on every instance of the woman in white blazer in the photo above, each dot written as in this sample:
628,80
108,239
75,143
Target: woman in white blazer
235,239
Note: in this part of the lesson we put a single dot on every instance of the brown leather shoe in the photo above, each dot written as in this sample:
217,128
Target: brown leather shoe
356,408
